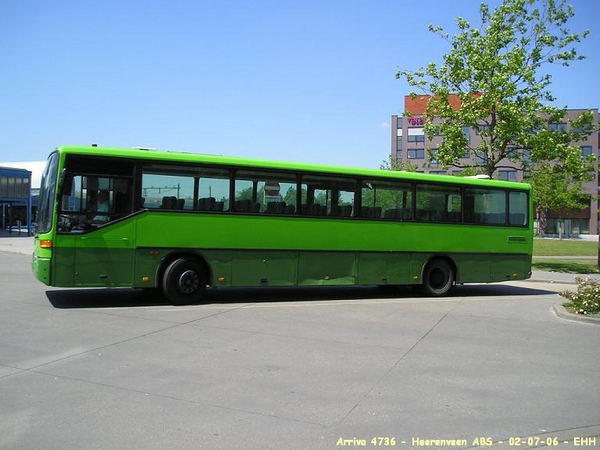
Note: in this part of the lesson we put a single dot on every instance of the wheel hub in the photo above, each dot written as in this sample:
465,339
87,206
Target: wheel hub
188,282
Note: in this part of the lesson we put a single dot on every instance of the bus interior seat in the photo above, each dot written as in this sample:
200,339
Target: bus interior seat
246,206
275,207
168,202
314,209
371,211
206,204
341,211
397,213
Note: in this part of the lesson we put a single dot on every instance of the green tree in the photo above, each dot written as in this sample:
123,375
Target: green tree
394,164
555,190
495,70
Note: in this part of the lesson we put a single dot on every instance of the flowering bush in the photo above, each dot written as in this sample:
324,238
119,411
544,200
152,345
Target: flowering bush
586,300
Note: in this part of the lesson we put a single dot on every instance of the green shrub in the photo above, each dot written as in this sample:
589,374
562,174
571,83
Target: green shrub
586,300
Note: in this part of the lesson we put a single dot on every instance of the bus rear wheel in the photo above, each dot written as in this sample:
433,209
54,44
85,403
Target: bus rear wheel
438,278
184,281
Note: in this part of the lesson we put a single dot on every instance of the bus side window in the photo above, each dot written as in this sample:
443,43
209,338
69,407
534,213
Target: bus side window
265,192
517,207
166,189
486,206
438,203
328,196
213,190
388,200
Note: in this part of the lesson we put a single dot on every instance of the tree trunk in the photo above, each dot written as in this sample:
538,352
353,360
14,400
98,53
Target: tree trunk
542,221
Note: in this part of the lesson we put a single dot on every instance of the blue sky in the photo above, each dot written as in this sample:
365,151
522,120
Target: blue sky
309,81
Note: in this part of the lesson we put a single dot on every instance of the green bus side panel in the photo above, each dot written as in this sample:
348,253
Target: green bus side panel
509,267
488,268
264,268
221,265
63,271
100,258
384,268
417,263
146,263
103,262
472,268
326,268
277,251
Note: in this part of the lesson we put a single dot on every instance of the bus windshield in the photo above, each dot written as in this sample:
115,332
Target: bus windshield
47,195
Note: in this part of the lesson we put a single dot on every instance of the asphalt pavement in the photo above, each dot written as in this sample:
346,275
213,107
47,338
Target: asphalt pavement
490,366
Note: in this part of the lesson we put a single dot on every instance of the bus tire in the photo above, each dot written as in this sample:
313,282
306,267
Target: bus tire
184,281
438,278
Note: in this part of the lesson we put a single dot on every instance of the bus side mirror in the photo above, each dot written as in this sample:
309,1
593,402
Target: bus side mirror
65,184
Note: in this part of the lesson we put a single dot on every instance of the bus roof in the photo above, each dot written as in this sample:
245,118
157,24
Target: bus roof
250,163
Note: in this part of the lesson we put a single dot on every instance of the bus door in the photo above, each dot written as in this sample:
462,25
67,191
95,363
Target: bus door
105,259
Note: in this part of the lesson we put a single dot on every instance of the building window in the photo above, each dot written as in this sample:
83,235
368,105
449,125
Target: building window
433,162
416,153
586,150
526,157
508,175
587,129
482,128
3,186
557,127
467,132
399,143
416,135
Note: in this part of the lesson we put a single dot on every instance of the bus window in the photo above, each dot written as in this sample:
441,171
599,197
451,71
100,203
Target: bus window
438,203
47,194
517,207
89,201
265,192
327,196
213,190
388,200
168,188
485,206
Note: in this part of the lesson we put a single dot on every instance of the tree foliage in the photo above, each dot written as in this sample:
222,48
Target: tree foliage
495,70
395,164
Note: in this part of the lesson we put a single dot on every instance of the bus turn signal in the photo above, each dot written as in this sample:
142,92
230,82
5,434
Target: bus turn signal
45,243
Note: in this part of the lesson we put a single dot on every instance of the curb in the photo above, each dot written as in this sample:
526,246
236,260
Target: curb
562,312
539,280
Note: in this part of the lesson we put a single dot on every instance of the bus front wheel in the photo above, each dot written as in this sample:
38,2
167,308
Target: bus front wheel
184,281
438,278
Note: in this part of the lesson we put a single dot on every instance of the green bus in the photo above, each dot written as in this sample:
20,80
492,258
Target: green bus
180,222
